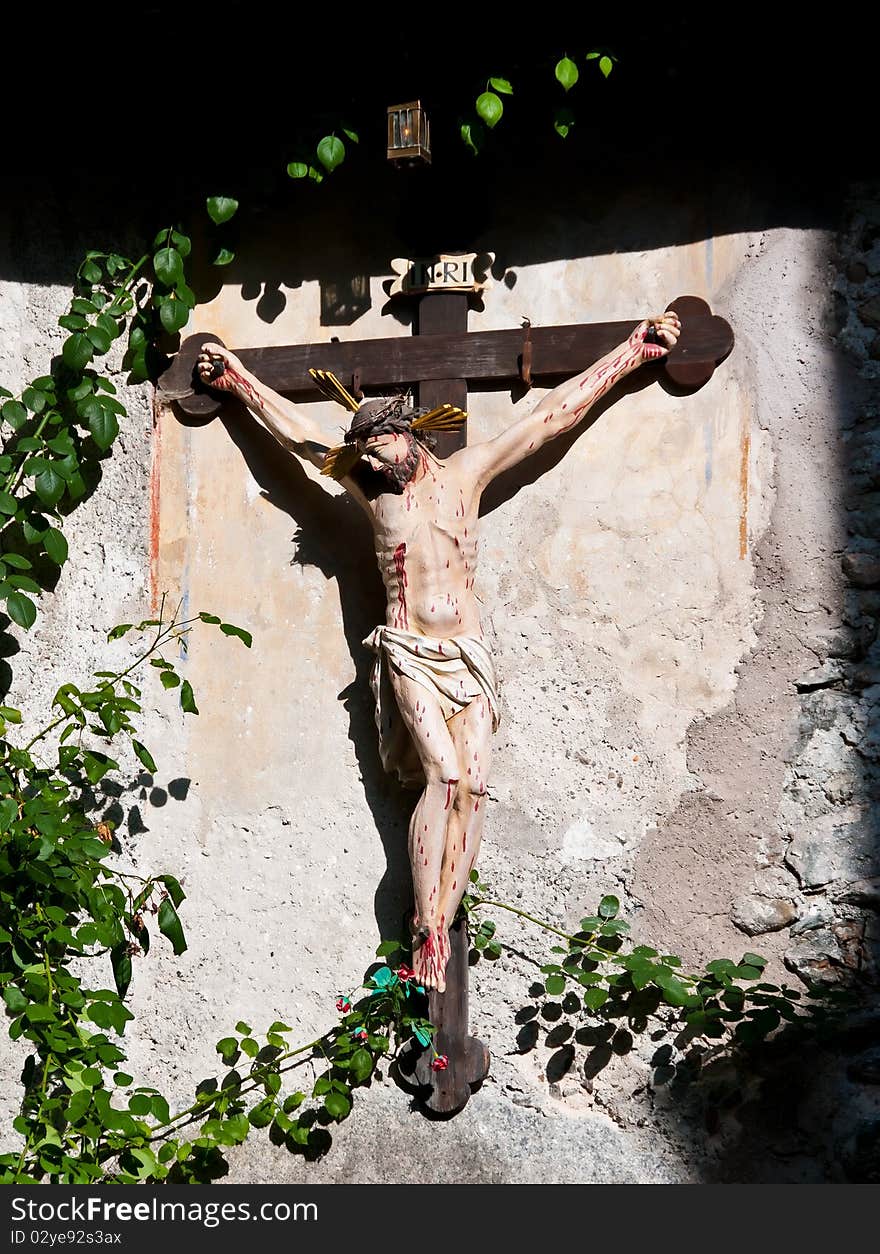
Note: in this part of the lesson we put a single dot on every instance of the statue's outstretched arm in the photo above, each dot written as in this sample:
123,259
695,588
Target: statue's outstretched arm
568,404
221,370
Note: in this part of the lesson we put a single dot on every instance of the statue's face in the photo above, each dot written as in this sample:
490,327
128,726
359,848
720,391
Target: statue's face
384,451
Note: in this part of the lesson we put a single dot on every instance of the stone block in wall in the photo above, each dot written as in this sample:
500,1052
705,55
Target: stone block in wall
756,915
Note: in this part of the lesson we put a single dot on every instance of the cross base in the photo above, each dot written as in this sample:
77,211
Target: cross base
445,1093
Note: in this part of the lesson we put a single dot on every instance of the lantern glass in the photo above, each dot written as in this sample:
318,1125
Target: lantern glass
408,133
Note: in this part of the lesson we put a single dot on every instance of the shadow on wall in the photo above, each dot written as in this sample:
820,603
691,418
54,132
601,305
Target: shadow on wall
334,536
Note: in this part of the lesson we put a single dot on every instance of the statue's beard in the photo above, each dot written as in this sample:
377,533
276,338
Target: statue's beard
398,474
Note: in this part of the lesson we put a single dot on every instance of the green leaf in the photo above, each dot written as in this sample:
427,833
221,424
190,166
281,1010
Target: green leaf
564,121
169,679
229,629
244,1028
119,630
175,892
753,960
555,984
220,208
14,413
55,545
8,504
15,999
77,351
104,429
298,169
78,1104
608,907
209,618
173,314
605,65
121,963
250,1047
187,699
591,56
227,1049
21,610
144,755
263,1113
337,1105
470,135
168,265
170,926
34,400
91,273
99,338
744,972
594,998
223,258
361,1065
10,714
566,73
490,108
352,135
49,486
331,152
502,85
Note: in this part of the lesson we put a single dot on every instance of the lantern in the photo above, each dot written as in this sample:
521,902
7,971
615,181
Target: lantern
409,133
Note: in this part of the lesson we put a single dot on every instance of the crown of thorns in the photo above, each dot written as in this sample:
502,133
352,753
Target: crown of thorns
386,416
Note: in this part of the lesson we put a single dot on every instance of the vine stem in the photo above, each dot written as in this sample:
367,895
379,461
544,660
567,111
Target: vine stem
161,1132
548,927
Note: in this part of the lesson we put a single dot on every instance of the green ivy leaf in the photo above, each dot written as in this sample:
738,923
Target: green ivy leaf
567,73
8,504
352,135
223,258
555,984
502,85
331,152
187,699
263,1113
221,208
298,169
168,265
490,108
605,65
170,926
21,610
169,679
227,1049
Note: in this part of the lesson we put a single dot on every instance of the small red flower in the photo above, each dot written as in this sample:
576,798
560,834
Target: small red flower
405,973
440,1063
362,1035
343,1005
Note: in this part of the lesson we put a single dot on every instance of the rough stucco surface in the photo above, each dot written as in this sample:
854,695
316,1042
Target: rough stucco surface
653,598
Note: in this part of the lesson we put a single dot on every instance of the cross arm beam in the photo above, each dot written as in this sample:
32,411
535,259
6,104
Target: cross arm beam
477,356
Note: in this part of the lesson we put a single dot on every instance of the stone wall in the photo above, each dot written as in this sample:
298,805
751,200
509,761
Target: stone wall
684,612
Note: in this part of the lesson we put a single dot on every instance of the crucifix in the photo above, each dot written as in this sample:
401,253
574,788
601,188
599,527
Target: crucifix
420,483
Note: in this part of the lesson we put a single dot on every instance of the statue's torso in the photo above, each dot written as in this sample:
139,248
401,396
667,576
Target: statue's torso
426,546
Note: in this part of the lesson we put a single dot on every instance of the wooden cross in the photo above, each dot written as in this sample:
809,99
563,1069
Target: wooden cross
442,358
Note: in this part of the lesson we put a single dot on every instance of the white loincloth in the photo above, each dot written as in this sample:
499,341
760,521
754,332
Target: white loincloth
455,671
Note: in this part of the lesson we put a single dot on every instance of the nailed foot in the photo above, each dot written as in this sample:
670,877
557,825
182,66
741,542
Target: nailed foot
430,956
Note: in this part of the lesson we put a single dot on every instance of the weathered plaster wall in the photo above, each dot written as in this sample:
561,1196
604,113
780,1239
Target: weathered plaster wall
653,596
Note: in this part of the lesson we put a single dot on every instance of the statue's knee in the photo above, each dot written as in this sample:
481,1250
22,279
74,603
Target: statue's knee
440,776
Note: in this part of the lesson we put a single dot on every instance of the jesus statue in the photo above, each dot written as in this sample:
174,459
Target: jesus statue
433,677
